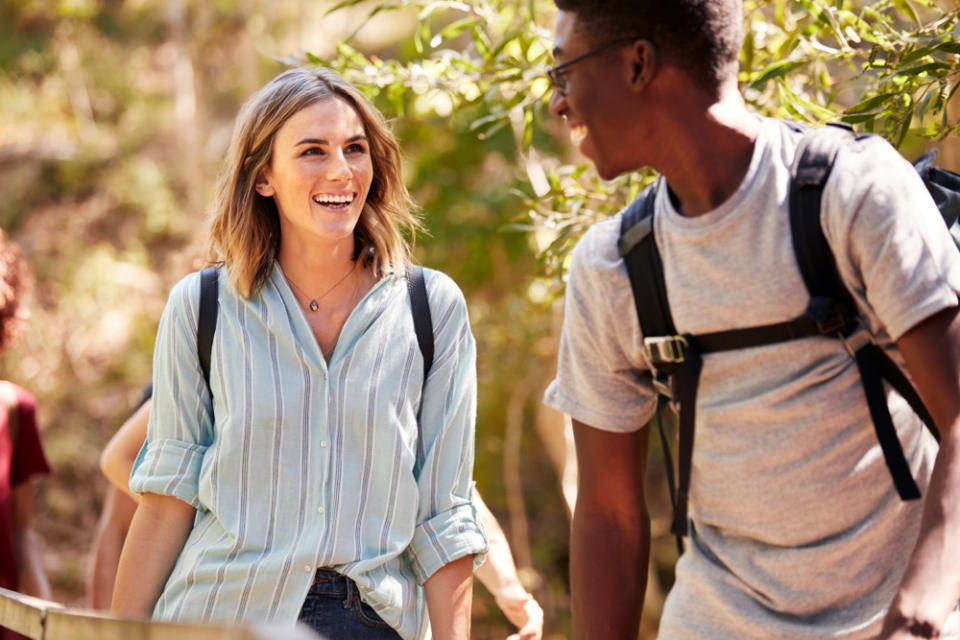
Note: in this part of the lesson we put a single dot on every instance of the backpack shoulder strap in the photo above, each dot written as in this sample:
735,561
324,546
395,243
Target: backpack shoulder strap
814,161
644,266
422,319
207,321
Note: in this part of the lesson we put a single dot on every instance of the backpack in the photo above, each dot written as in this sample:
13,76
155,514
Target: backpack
676,360
419,306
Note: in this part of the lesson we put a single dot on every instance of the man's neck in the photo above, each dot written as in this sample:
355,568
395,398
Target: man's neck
709,152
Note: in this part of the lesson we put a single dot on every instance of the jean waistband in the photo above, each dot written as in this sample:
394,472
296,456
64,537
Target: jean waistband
330,582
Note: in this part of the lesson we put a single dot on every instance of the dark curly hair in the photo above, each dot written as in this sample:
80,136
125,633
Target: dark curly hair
703,37
13,283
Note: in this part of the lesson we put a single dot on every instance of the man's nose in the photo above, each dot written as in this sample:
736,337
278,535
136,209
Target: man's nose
558,103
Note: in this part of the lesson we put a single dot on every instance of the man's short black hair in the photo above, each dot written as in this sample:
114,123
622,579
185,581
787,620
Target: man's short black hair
703,37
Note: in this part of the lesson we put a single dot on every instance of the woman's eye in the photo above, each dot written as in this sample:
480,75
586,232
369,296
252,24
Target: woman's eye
356,148
312,151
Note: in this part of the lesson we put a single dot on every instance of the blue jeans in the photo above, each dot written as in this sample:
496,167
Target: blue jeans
333,609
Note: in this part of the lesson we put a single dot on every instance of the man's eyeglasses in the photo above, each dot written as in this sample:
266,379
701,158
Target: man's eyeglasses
555,72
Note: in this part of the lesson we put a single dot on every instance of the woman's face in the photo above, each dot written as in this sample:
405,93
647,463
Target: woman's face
320,173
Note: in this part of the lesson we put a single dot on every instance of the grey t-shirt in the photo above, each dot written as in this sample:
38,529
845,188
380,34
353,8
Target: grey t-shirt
797,530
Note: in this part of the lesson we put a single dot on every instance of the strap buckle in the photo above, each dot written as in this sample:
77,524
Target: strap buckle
857,340
665,349
662,386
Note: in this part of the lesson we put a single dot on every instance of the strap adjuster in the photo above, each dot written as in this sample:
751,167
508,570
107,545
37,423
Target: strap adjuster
857,340
665,349
833,324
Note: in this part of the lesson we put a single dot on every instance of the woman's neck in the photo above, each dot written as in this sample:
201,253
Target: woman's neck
318,266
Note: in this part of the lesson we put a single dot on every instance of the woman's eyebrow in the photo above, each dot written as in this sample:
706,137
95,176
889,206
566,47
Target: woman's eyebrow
356,138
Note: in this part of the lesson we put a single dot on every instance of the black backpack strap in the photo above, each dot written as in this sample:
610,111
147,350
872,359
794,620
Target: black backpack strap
676,367
815,158
644,266
422,319
423,327
207,320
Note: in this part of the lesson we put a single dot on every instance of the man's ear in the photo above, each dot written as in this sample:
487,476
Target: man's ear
643,60
263,185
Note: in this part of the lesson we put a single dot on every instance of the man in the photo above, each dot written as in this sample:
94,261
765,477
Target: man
795,528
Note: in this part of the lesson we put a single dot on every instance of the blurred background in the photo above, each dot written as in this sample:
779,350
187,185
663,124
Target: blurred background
114,116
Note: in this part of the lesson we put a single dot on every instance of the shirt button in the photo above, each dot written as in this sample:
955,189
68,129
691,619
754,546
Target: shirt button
323,443
320,510
308,568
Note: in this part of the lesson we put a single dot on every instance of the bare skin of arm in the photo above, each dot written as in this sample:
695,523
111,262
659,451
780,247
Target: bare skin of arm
449,598
157,534
610,539
931,585
31,578
498,574
118,509
117,458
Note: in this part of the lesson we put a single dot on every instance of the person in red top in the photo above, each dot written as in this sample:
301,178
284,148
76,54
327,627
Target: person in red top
21,453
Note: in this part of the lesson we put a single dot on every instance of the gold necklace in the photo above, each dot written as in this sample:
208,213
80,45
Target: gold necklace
315,301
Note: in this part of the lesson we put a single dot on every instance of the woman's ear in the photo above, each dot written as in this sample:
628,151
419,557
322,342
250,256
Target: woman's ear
263,185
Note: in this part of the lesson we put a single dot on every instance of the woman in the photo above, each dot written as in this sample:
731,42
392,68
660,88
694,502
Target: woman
21,451
302,482
498,573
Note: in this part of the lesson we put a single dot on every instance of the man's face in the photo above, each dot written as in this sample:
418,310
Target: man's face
592,95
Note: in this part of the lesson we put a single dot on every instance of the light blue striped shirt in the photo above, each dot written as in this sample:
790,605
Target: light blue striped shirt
309,464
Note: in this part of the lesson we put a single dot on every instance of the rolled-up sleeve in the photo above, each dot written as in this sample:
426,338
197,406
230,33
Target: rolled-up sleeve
181,419
447,524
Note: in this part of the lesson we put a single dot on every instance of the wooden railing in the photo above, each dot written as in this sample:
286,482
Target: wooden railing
44,620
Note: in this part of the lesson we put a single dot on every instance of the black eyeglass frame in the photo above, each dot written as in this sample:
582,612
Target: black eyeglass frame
555,72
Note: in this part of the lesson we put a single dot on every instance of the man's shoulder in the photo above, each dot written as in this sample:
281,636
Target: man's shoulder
598,248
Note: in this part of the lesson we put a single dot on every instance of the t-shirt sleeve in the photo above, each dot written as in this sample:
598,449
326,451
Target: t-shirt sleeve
893,249
602,378
181,419
28,457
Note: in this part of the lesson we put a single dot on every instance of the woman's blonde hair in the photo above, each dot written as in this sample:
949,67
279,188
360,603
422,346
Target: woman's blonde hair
245,232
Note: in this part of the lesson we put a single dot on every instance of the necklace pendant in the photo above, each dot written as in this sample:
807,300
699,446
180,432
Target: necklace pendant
314,305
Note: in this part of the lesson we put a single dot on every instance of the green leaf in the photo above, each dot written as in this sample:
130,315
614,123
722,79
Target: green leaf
775,70
907,9
860,117
821,112
342,5
929,67
871,103
454,29
904,127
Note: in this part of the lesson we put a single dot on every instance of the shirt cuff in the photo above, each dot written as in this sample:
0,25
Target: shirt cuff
447,536
169,468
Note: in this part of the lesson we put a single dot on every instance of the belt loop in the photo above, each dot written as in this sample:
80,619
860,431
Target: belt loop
351,592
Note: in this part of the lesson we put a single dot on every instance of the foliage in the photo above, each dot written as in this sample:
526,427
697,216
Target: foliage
887,66
116,115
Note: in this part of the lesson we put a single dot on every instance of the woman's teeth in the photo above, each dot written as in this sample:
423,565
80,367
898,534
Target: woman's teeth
333,201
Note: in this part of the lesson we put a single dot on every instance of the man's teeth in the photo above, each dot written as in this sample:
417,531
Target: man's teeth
578,133
333,199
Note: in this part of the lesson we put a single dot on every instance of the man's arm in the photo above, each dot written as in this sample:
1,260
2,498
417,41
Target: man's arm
610,539
931,585
449,594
